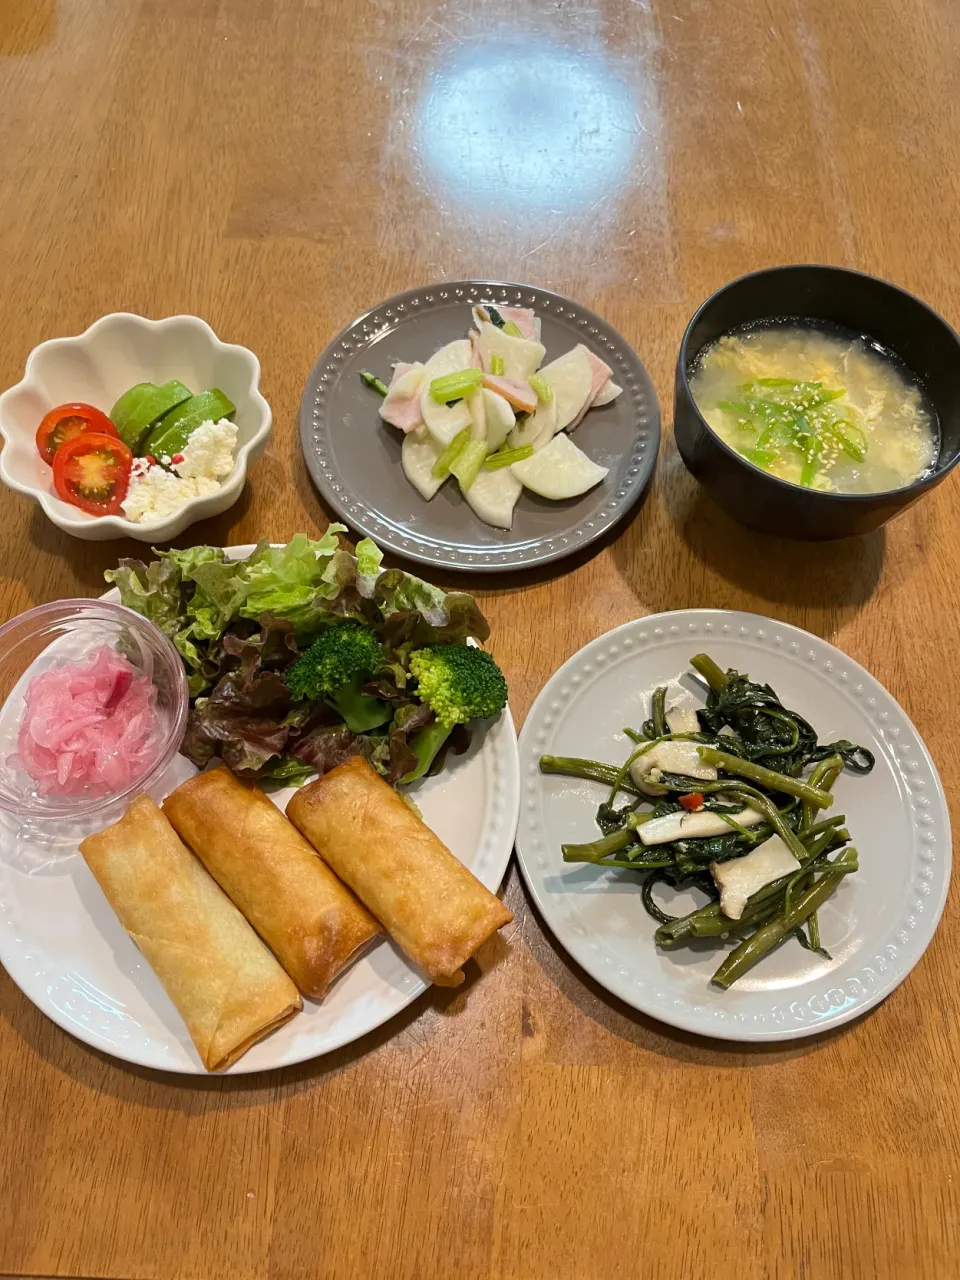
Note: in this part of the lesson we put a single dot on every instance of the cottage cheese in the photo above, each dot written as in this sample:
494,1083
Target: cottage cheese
155,493
209,452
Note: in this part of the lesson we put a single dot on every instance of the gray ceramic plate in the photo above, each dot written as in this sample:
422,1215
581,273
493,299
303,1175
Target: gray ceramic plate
354,457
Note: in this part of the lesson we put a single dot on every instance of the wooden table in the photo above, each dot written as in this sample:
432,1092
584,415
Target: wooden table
277,166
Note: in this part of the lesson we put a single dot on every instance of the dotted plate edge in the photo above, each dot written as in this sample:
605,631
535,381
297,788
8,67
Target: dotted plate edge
628,370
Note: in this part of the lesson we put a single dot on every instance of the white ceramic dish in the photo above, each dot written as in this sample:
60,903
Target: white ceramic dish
67,952
96,367
878,923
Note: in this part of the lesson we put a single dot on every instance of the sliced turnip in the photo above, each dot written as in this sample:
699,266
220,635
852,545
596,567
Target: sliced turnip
417,455
570,378
521,358
443,421
500,418
559,470
449,359
493,496
538,430
477,407
607,393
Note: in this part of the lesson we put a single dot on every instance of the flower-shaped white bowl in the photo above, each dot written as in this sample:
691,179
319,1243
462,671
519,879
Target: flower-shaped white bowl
96,367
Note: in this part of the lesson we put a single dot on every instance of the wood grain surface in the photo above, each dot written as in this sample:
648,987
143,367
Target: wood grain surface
278,166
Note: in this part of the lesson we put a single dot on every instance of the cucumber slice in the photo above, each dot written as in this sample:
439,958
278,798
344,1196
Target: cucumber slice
143,405
175,428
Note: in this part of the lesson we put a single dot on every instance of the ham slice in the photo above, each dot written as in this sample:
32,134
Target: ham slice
520,394
401,405
522,317
601,375
475,360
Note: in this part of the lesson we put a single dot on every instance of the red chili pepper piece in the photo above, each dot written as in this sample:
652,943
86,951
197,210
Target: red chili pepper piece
692,802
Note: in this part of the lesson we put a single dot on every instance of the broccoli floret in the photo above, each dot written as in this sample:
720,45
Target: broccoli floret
459,682
335,668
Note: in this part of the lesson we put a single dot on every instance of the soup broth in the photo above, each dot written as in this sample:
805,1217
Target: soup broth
817,407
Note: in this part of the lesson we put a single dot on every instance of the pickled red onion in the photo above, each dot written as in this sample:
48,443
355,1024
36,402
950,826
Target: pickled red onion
89,727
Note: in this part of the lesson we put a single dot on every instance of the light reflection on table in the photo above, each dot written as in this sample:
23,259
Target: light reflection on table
520,127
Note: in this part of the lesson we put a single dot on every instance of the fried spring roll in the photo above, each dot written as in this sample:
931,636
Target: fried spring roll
309,920
226,985
436,911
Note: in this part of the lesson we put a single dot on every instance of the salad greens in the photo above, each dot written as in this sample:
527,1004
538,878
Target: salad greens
748,751
305,654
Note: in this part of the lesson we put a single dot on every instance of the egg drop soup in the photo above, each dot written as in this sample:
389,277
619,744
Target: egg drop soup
817,407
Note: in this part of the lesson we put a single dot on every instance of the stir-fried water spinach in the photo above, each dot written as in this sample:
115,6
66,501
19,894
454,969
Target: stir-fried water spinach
733,791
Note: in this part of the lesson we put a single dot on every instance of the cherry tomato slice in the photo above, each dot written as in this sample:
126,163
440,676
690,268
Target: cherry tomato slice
92,471
67,421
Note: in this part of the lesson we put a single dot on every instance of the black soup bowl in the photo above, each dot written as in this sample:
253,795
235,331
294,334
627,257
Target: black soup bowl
901,323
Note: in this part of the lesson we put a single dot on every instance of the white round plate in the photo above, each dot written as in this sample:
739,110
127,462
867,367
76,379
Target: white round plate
878,923
67,952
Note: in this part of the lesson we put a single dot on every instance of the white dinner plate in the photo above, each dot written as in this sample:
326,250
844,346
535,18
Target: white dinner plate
67,952
877,924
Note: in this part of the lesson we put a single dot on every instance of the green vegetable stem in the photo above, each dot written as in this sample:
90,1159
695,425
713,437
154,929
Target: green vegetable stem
542,387
592,770
765,777
467,464
455,386
442,466
373,382
706,667
507,457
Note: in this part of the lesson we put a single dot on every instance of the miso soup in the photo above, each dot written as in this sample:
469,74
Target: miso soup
817,406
